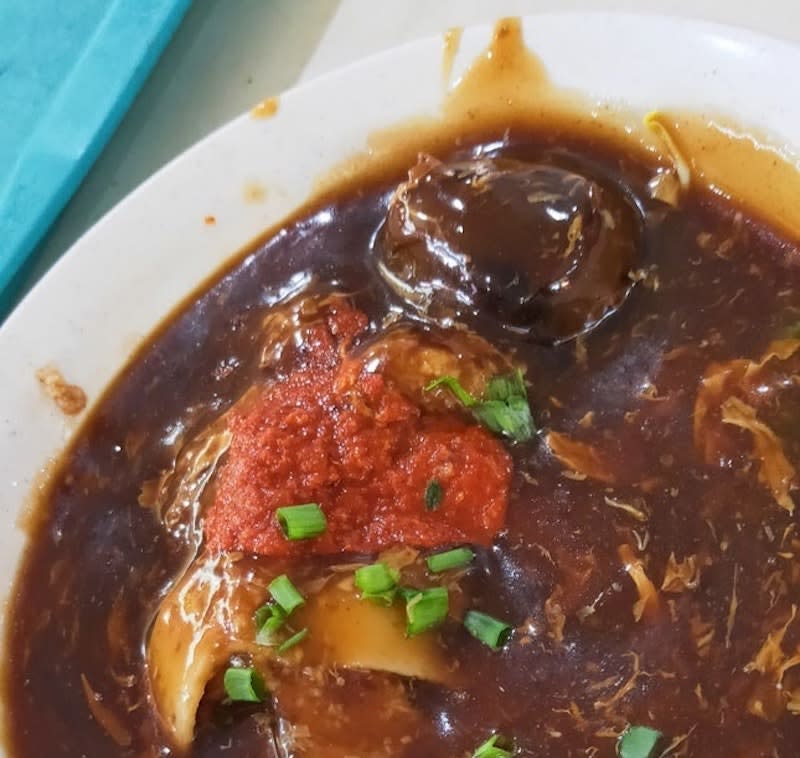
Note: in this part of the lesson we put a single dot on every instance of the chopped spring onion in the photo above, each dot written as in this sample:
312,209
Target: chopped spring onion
377,582
433,495
487,629
510,418
490,748
244,685
426,609
638,742
506,387
301,522
504,407
407,592
293,640
450,559
268,620
285,594
465,398
264,614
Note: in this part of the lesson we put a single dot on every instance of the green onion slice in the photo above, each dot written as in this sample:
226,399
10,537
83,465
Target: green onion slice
302,522
285,594
434,493
504,407
407,592
426,609
450,382
377,582
509,418
638,742
490,631
268,620
450,559
244,685
293,640
490,748
506,387
263,614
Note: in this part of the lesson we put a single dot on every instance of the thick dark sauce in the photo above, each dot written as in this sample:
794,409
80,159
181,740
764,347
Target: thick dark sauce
101,556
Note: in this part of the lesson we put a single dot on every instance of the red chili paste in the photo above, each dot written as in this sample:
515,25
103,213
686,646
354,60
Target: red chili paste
350,442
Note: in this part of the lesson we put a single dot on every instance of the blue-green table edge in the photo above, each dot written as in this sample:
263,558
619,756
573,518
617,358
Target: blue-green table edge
73,130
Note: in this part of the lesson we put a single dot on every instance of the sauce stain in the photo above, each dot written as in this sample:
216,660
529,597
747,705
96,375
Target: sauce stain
452,41
267,108
210,220
505,87
507,79
69,398
254,192
32,515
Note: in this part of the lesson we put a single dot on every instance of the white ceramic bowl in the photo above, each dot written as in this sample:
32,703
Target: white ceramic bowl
126,274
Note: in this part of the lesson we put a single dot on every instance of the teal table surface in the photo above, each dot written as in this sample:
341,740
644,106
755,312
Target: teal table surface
68,73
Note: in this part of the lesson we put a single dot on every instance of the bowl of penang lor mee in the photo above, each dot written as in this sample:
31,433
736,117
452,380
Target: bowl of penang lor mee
444,406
